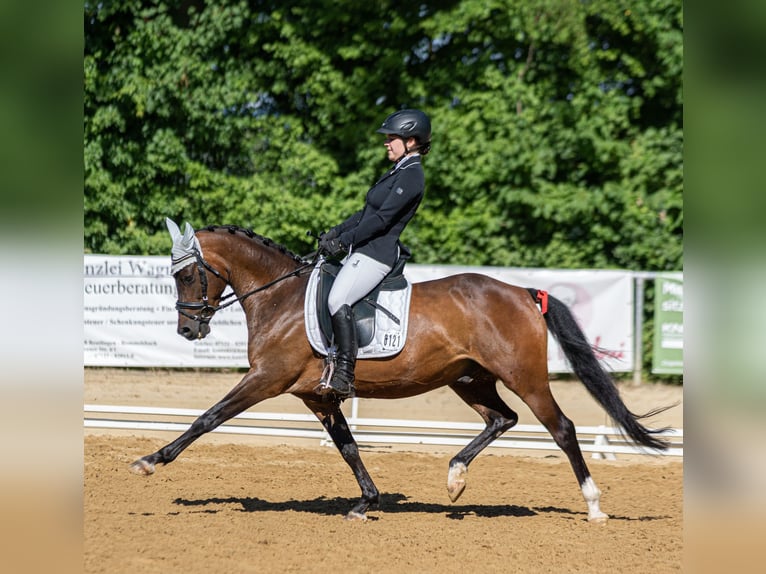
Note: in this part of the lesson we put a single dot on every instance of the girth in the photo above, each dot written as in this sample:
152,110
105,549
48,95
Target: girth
364,309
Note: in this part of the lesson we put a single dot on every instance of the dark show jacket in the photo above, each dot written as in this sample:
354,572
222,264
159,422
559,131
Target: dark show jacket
390,204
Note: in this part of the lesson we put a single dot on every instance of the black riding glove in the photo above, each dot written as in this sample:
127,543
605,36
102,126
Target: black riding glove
332,246
331,234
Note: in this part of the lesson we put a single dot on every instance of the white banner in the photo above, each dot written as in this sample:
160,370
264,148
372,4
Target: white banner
602,302
130,318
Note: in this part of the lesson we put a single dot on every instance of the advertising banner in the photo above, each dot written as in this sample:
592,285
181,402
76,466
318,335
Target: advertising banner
668,355
601,301
130,318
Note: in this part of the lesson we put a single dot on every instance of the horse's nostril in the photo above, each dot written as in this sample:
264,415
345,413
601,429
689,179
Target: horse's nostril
184,331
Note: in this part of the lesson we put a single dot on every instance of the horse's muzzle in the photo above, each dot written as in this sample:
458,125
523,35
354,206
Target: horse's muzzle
198,331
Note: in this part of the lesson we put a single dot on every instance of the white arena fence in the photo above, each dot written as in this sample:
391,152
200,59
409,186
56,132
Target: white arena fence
601,441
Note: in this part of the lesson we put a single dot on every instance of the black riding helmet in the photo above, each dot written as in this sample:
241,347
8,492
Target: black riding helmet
409,124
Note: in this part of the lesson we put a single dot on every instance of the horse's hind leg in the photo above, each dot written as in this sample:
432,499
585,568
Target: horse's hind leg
544,406
483,398
332,419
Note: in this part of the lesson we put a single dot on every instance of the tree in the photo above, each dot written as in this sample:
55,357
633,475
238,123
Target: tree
558,129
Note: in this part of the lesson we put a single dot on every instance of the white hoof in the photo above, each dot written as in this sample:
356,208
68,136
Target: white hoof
592,494
599,518
356,517
456,481
142,467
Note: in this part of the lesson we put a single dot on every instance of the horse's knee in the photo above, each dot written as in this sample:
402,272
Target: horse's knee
501,423
511,418
349,451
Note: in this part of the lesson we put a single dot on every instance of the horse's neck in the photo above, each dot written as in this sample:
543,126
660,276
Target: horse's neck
256,266
258,270
270,297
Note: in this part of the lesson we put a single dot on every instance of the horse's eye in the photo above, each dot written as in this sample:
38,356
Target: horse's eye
187,279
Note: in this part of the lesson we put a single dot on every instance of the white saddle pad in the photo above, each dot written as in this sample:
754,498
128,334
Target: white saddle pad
389,338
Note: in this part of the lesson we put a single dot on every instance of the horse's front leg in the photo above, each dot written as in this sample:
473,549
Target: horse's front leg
240,398
331,417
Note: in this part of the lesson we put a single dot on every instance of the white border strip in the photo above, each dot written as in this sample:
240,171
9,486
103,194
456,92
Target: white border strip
602,441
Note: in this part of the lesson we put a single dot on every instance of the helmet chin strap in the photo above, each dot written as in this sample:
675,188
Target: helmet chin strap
406,151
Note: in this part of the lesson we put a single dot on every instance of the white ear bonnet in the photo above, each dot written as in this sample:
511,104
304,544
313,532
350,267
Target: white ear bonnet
184,245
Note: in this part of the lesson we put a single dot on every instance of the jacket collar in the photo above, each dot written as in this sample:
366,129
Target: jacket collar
406,161
402,163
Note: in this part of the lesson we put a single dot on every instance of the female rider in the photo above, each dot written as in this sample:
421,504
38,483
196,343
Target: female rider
368,241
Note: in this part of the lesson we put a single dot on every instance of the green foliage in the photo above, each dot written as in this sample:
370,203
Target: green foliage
558,126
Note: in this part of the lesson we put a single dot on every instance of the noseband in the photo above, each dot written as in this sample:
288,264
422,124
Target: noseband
204,310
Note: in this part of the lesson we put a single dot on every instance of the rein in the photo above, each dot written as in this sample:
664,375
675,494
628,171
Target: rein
205,309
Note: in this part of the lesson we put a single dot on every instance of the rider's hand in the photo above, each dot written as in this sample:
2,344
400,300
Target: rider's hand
331,234
332,246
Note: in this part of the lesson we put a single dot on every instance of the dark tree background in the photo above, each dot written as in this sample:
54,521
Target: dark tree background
558,125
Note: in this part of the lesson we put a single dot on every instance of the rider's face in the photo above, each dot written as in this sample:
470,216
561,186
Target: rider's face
395,146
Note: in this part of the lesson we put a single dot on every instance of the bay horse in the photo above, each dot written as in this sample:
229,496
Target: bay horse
466,331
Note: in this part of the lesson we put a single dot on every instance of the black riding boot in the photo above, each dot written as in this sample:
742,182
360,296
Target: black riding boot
344,329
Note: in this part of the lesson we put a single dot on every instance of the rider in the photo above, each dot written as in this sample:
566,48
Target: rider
368,241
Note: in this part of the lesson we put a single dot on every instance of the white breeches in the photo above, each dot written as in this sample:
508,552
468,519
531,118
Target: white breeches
358,276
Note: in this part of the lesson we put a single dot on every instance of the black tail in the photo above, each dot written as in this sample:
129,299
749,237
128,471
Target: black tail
562,324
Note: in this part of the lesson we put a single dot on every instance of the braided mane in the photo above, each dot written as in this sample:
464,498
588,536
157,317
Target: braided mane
234,229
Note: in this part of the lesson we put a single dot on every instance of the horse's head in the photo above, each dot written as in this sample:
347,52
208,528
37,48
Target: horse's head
199,285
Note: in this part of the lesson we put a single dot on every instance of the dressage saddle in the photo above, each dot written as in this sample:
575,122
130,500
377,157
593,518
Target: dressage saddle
364,309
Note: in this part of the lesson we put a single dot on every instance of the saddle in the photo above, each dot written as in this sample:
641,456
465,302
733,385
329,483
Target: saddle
364,309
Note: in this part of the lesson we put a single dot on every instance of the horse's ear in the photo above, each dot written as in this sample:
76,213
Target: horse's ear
183,251
188,237
175,232
185,241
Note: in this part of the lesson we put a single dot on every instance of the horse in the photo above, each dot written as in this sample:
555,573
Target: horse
467,331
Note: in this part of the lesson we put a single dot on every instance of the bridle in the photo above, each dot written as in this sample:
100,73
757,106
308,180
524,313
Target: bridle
204,309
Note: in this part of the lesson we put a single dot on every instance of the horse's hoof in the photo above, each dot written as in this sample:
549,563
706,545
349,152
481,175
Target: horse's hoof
356,516
142,467
599,518
456,481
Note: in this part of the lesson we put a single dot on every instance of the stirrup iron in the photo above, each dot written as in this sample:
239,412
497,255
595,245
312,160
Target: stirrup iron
324,388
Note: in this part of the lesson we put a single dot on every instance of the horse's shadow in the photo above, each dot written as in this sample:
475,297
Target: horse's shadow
566,511
389,504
